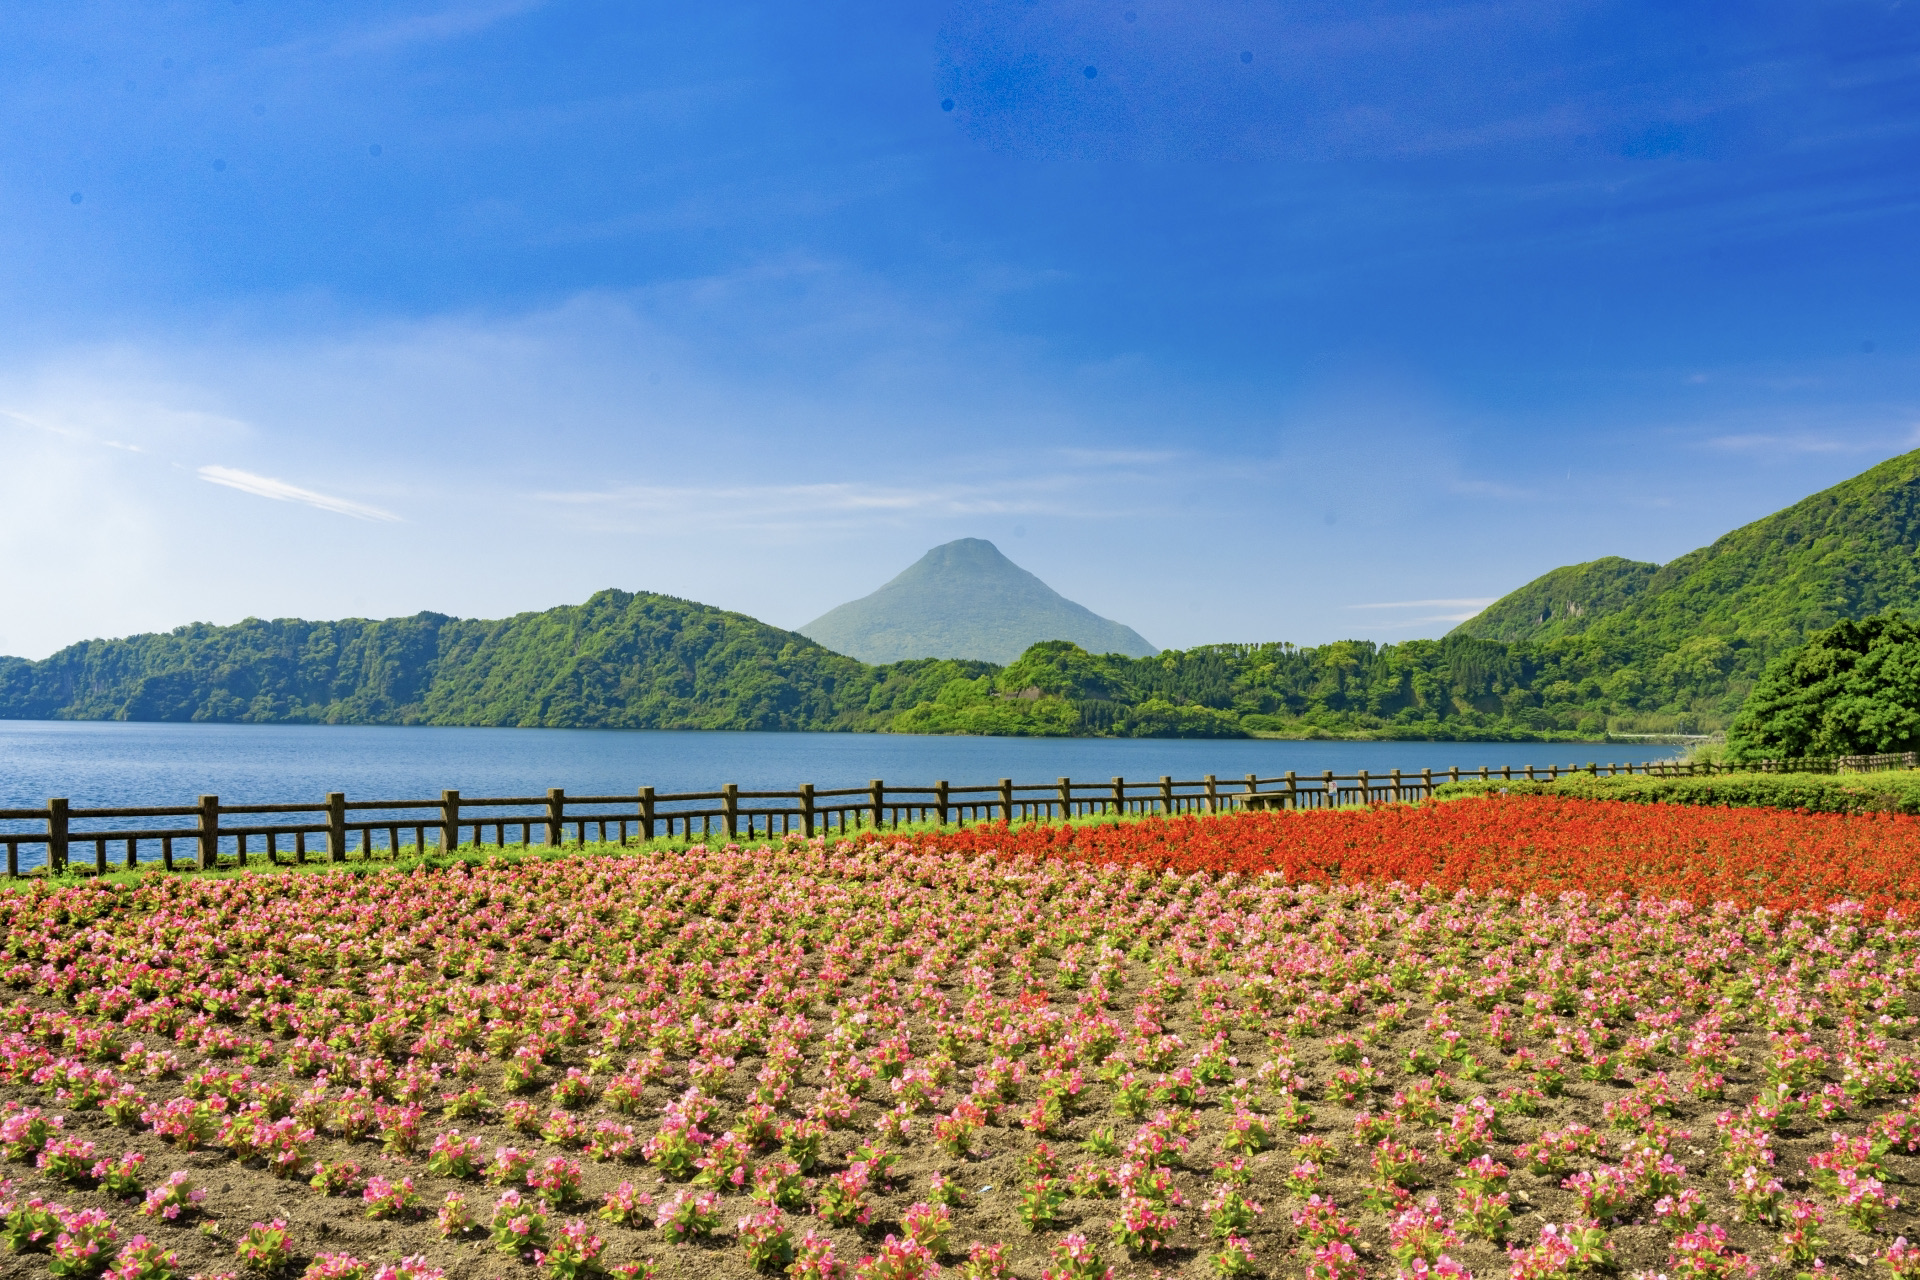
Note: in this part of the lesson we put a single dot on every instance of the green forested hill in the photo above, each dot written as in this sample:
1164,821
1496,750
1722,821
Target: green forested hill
1457,688
646,661
1563,602
620,660
1681,646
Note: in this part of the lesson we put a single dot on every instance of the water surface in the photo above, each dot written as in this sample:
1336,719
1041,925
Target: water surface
117,763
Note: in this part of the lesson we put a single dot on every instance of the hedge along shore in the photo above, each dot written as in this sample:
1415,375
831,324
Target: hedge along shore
1893,792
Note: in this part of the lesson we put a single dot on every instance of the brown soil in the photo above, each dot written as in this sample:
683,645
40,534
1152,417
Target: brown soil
239,1195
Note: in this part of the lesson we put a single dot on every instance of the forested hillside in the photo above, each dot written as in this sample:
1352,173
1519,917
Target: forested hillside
621,660
1458,688
653,662
1679,646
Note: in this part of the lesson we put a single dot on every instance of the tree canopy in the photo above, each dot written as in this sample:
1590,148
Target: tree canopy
1852,689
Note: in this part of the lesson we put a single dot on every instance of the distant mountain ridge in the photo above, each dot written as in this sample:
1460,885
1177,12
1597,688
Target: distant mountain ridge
1690,638
964,599
636,660
621,660
1609,645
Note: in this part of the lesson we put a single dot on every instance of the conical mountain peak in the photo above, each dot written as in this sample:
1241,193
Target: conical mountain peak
964,599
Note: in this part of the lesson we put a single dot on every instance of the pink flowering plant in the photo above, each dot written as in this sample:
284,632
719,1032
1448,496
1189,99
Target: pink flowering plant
931,1037
265,1247
143,1259
175,1195
518,1225
88,1241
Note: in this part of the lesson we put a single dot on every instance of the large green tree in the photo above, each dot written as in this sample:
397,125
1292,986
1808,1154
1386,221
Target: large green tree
1853,689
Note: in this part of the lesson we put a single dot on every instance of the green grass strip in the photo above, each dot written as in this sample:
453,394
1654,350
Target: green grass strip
1897,791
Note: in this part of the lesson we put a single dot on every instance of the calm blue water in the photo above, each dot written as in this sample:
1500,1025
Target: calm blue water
106,763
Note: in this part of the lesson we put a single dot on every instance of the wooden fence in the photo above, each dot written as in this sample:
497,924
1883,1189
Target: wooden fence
339,829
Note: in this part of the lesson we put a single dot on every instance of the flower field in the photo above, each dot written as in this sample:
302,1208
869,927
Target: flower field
1226,1046
1543,844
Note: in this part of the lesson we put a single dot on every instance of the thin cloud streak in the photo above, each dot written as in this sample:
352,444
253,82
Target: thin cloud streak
1789,444
780,501
1475,602
1489,489
281,491
434,28
1119,457
1410,623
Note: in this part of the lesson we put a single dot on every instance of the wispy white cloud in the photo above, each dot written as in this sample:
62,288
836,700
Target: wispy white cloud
1408,624
777,504
1488,489
281,491
449,23
69,432
1457,609
1119,457
1789,444
128,419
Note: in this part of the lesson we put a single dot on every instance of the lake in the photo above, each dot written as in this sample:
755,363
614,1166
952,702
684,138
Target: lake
117,763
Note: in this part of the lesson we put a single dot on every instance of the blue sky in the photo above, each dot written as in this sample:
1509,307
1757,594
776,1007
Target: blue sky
1233,321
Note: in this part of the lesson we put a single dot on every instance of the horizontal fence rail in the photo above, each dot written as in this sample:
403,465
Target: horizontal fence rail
210,834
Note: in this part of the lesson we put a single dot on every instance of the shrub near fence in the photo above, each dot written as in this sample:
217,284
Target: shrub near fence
1814,793
340,830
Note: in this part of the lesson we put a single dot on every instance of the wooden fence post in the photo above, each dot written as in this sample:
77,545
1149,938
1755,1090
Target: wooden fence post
940,799
1166,794
1066,799
1366,788
1119,797
730,801
1006,799
449,821
1332,797
556,815
1253,787
879,789
1453,773
806,810
209,832
1396,786
336,826
1293,790
58,824
1426,784
646,812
